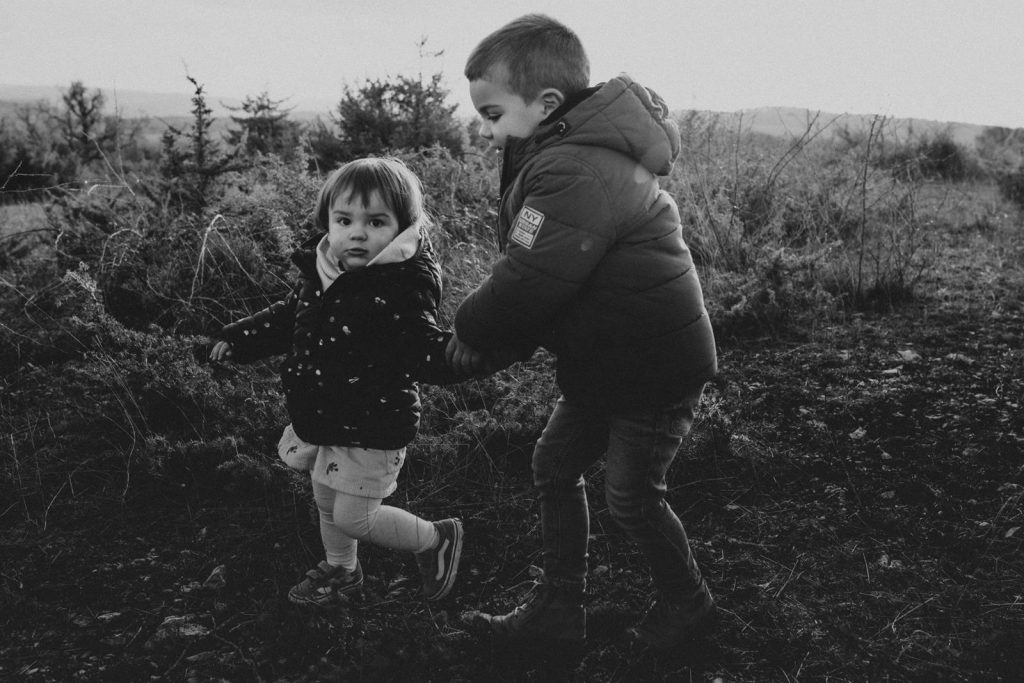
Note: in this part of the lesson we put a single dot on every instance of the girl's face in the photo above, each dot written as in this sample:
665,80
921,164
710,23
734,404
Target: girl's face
357,233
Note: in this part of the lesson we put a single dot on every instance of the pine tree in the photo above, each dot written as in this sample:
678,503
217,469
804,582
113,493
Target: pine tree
264,128
404,113
193,167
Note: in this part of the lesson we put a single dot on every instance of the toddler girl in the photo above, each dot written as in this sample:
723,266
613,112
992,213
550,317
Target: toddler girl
359,330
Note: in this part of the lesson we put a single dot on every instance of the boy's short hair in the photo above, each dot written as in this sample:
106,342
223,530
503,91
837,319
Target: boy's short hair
532,53
400,189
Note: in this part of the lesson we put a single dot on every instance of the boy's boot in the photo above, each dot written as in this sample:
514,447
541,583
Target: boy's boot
674,621
550,613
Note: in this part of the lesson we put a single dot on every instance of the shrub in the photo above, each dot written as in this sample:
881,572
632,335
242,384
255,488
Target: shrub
779,292
781,228
94,419
45,147
388,115
937,157
264,128
1011,186
192,163
184,270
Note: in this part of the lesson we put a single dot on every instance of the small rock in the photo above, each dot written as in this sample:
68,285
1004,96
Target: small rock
217,578
176,627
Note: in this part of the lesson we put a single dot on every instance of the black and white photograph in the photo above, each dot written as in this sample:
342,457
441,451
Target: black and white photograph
583,341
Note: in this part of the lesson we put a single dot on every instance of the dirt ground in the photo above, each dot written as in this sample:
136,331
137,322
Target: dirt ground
853,495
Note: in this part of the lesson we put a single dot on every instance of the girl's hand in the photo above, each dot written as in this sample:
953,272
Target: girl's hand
221,351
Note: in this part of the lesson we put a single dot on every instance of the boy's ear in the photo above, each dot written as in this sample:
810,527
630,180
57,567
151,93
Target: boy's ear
552,98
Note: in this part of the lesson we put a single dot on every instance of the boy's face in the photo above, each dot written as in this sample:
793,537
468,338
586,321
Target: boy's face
357,233
504,113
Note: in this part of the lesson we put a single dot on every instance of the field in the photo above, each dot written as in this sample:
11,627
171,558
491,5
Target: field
853,487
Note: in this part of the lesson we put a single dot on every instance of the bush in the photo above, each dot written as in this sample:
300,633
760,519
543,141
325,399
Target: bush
781,228
94,418
45,148
780,292
389,115
189,271
1011,186
930,158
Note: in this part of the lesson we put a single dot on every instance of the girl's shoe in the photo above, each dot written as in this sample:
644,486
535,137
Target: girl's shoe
324,583
439,565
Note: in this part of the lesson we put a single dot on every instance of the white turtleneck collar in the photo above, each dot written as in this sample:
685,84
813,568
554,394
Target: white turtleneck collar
405,245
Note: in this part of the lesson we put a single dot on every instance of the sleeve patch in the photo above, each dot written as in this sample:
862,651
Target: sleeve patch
526,227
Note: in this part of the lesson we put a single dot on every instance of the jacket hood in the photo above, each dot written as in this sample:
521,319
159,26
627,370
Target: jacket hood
621,115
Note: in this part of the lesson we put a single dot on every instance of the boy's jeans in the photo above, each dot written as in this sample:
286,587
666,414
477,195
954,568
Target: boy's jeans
639,448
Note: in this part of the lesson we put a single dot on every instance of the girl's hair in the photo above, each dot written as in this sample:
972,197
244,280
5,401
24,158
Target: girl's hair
399,189
529,54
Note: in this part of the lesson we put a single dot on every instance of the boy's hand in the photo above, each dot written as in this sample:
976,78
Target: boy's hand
221,351
463,359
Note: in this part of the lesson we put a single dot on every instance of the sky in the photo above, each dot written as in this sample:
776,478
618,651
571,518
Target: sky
945,60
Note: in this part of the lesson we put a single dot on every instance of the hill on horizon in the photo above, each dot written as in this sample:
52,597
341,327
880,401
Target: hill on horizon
140,104
785,122
791,122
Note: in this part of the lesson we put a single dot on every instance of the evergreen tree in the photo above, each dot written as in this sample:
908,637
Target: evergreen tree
404,113
85,131
264,128
191,159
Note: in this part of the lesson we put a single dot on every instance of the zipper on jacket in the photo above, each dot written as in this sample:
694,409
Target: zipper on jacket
505,180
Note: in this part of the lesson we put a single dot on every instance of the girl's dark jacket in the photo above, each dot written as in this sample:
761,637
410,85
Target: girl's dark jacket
354,351
595,267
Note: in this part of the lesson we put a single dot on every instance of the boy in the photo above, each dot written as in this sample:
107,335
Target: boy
595,269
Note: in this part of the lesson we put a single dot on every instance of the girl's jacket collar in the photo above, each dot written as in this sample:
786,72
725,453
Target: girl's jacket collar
312,260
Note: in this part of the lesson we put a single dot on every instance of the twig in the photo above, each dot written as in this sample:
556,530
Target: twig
202,254
175,664
11,175
746,624
46,512
899,617
789,579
